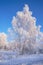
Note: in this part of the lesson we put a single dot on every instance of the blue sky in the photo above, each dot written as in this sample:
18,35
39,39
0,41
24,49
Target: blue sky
8,9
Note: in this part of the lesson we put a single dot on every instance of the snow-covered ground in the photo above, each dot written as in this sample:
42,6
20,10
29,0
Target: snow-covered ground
10,58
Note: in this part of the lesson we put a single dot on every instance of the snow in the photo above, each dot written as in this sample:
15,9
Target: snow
10,58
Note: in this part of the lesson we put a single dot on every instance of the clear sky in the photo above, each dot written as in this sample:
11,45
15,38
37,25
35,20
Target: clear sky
8,9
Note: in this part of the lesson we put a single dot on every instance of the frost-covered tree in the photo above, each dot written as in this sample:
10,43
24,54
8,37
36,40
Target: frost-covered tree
3,40
25,30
